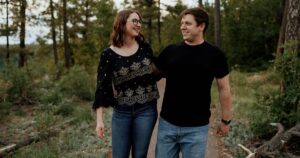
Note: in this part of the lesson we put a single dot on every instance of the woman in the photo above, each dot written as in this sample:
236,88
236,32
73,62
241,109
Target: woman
125,82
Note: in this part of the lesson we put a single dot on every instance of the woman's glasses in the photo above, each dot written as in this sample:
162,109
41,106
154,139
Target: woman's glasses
136,21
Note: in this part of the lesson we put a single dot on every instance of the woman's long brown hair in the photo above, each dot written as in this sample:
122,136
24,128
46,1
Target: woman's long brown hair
117,35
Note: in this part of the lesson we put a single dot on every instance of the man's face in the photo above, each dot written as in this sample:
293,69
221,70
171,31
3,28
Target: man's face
189,29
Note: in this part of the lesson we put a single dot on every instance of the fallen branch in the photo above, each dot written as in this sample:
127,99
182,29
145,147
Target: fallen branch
7,148
273,146
250,153
296,134
289,155
35,138
3,143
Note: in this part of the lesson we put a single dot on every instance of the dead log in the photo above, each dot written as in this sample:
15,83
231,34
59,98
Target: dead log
31,139
250,153
272,147
7,148
35,138
297,134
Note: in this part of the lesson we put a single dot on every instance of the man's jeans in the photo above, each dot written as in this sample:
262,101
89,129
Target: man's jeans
171,139
132,128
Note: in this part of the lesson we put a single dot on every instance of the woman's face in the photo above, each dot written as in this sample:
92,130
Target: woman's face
133,25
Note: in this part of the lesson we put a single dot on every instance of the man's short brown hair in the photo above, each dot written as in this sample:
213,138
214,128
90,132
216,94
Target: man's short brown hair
199,14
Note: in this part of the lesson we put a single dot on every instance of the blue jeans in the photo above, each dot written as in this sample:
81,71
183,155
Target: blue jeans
132,128
171,139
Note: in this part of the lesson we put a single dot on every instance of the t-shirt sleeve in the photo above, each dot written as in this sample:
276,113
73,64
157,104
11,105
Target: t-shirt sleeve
149,51
161,61
222,68
104,90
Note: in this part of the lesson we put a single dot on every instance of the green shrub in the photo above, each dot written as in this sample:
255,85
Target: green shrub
64,109
239,134
77,82
282,106
46,150
287,106
52,96
22,88
83,115
262,116
45,120
4,109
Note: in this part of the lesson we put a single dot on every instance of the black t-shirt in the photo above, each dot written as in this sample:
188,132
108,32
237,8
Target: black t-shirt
189,72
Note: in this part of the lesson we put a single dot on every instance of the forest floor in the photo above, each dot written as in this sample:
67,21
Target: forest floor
79,140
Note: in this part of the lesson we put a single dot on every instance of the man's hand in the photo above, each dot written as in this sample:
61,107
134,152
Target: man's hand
222,130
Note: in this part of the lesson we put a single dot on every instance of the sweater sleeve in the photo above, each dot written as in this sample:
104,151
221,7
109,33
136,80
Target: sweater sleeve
104,90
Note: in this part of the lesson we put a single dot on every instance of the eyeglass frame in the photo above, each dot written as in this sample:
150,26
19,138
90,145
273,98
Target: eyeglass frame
135,21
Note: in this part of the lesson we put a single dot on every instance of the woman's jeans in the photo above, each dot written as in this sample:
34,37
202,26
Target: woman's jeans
132,128
171,139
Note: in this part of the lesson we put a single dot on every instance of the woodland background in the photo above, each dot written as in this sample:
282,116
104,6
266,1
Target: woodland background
47,88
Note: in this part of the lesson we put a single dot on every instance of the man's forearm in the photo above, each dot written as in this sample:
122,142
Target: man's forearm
225,101
225,97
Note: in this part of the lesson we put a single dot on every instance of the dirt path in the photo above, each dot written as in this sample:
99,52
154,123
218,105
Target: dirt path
214,146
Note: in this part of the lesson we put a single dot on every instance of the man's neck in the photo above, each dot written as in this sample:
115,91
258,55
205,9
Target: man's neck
196,42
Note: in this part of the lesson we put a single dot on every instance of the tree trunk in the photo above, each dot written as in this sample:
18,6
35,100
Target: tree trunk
53,35
217,24
86,21
149,6
67,50
200,3
150,30
292,31
158,26
7,33
22,60
281,40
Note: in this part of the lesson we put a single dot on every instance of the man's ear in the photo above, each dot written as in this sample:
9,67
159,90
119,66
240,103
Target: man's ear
202,26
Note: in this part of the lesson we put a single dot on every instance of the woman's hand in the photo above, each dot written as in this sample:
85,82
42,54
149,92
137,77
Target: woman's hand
100,125
100,130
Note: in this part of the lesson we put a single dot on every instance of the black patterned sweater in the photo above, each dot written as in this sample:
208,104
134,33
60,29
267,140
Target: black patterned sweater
131,76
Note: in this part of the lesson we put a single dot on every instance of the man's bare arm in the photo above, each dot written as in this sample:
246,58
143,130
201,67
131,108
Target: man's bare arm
225,101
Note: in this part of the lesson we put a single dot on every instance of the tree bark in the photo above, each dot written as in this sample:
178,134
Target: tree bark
7,33
22,59
149,5
159,26
53,35
292,32
217,24
86,21
67,50
200,4
281,38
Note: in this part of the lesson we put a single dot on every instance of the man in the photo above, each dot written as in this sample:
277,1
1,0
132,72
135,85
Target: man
190,67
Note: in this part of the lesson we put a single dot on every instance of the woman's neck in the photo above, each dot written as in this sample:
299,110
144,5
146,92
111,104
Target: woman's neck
129,42
130,46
